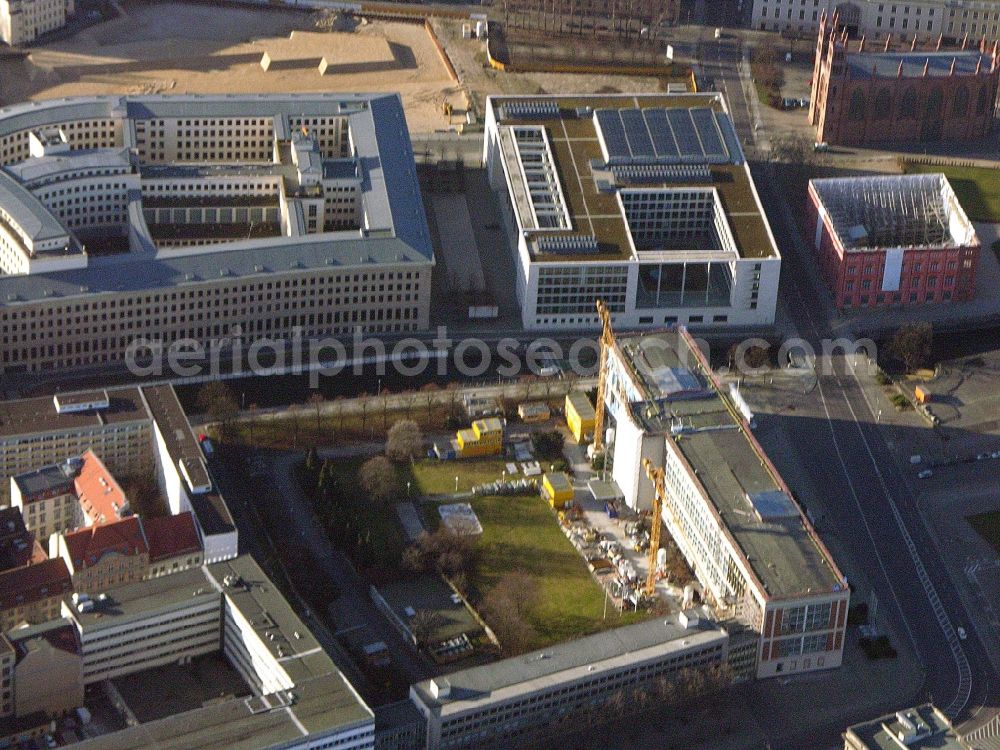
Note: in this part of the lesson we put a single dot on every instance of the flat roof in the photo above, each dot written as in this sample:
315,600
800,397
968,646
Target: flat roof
878,734
43,167
280,630
31,216
321,705
547,667
47,479
134,601
782,549
430,594
23,417
576,147
209,507
938,63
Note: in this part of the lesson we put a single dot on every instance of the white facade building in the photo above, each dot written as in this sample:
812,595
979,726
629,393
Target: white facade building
22,21
643,201
727,508
200,218
876,18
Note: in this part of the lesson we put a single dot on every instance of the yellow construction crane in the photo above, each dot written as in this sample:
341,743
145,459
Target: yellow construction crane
607,341
656,476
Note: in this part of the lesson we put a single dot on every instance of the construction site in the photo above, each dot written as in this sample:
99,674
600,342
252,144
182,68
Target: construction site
895,239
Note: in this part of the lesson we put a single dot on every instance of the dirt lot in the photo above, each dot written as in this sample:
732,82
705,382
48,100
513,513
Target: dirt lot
195,48
469,58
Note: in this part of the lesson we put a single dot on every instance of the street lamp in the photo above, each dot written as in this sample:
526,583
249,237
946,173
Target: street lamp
408,489
456,484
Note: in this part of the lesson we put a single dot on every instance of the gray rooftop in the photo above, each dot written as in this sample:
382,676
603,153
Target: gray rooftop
269,613
397,229
30,416
43,167
886,64
545,667
135,601
774,535
44,480
36,221
932,731
322,705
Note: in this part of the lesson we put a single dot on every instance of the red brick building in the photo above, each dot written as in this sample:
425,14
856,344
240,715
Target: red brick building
895,90
892,240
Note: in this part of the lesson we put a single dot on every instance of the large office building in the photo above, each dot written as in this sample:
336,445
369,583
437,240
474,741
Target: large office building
866,92
892,240
526,697
643,201
298,699
731,514
220,220
23,21
925,19
923,727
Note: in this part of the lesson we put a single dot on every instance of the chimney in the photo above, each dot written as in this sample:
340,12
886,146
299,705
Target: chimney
861,44
899,73
979,65
888,41
913,43
939,42
965,41
951,70
927,64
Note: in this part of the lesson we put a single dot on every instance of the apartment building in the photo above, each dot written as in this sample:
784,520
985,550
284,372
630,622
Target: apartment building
866,93
727,508
47,499
526,697
894,240
219,219
33,593
47,674
174,544
140,431
23,21
643,201
104,556
38,432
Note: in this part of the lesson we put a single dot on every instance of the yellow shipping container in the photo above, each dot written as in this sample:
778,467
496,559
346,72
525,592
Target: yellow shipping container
557,488
580,415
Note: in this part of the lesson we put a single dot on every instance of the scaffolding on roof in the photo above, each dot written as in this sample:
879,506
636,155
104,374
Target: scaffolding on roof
890,211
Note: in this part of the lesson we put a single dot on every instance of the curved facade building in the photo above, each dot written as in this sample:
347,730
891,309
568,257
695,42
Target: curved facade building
205,218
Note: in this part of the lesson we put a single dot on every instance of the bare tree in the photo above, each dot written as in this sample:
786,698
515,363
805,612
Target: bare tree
316,400
217,402
293,414
377,476
404,441
506,607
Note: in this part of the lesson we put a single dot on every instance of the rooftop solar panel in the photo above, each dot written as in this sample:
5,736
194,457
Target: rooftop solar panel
729,135
663,136
708,132
613,133
638,137
686,135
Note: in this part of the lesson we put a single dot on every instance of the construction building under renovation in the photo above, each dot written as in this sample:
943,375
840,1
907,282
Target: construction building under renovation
893,240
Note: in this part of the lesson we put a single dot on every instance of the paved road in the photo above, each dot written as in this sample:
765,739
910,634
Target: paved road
877,514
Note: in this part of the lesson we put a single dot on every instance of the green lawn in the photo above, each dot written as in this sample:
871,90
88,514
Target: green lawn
977,188
522,534
433,477
987,525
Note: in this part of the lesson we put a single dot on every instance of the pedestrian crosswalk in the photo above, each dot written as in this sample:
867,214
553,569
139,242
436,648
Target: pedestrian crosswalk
986,737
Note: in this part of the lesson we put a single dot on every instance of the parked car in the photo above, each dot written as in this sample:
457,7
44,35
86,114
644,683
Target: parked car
925,474
962,635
